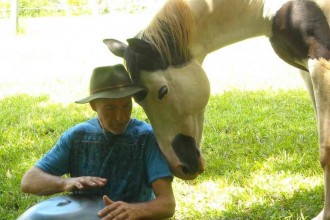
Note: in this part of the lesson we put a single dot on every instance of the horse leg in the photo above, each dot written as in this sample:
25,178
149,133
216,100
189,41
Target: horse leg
308,81
320,77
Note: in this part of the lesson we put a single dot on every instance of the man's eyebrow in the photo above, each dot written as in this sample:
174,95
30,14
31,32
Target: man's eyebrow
109,105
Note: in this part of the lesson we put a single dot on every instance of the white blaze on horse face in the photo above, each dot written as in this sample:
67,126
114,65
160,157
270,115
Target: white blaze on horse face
180,111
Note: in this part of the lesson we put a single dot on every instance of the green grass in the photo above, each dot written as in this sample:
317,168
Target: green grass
262,159
260,149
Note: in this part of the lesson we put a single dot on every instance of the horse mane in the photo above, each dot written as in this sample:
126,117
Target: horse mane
171,29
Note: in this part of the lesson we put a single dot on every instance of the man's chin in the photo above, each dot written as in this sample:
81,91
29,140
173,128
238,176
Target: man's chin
117,131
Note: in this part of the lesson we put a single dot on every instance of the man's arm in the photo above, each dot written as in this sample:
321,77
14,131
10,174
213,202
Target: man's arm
35,181
162,207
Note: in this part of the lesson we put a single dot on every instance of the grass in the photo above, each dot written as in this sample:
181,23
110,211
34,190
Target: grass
260,149
261,152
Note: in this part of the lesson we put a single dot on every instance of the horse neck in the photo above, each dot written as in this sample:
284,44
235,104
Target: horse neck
224,22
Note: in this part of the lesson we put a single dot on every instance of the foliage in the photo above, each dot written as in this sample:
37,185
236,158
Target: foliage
4,9
260,150
43,8
39,8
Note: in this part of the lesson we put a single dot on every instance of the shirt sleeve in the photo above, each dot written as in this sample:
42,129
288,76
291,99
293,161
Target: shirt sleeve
56,160
156,163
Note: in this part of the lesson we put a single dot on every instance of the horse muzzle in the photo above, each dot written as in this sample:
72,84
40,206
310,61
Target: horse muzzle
191,161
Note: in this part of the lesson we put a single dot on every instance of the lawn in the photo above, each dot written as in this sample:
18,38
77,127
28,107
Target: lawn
260,149
260,137
262,159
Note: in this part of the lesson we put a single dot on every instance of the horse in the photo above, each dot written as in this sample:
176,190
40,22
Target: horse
166,58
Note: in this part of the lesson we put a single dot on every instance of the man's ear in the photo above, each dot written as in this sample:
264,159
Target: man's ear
92,104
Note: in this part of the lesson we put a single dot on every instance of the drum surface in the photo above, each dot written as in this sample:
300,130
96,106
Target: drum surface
65,207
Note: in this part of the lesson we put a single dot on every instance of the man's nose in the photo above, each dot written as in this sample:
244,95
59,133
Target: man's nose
120,116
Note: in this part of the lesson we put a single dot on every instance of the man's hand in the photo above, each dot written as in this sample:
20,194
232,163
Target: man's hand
38,182
83,182
118,210
162,207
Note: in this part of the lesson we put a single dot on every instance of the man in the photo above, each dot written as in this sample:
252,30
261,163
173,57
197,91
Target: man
112,155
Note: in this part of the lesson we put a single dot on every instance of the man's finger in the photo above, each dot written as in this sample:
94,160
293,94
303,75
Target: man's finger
105,211
79,185
106,200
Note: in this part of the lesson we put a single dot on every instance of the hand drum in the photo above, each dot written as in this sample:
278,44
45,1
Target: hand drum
65,207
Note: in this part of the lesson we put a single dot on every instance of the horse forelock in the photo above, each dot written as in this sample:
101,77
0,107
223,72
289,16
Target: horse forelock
170,31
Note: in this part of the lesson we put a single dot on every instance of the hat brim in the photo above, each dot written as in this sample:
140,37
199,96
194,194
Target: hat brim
112,94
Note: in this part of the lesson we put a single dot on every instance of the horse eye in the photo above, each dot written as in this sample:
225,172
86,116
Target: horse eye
162,92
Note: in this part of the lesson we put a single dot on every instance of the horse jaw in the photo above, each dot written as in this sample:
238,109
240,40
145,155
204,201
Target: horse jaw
178,117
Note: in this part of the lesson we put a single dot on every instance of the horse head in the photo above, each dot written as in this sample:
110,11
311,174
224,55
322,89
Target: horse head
177,93
160,59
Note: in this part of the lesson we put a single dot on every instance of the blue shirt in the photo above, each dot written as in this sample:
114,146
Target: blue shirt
130,161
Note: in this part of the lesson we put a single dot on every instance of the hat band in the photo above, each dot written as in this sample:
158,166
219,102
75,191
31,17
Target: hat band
107,88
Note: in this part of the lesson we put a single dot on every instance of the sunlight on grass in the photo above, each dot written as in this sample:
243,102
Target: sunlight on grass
260,147
261,161
283,182
211,198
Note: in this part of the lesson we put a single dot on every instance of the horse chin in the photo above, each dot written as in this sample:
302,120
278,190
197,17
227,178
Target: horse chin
182,171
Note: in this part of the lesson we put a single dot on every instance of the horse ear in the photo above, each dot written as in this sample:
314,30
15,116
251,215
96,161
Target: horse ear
140,46
148,56
118,48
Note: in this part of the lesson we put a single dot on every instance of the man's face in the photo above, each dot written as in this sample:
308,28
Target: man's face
114,114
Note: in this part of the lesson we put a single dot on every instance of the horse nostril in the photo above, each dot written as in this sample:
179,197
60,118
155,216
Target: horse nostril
185,169
185,148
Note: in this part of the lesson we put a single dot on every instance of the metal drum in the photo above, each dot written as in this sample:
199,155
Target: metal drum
65,207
